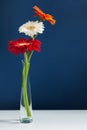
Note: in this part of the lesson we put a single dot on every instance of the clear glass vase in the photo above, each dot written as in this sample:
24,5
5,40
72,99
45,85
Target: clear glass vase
25,100
26,105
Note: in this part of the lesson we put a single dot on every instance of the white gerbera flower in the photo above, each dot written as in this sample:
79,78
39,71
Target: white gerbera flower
31,28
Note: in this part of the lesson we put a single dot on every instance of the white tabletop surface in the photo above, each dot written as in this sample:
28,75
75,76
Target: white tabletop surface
46,120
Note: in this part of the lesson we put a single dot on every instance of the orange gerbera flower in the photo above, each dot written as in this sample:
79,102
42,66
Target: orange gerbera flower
44,16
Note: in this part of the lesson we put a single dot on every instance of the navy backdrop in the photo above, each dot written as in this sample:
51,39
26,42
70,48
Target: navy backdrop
59,72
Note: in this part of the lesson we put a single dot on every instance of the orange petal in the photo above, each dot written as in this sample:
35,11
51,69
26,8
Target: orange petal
43,15
38,10
50,18
53,21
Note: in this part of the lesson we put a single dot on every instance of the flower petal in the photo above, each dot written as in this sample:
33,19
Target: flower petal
22,45
44,16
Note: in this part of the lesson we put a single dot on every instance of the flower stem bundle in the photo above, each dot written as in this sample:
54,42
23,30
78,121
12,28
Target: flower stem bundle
28,46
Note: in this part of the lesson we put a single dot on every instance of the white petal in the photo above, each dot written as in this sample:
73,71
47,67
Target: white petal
31,28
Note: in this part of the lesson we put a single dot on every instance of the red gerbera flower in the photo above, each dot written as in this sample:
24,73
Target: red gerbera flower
22,45
44,16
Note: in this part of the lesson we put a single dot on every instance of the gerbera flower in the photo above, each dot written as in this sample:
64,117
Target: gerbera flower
44,16
22,45
31,28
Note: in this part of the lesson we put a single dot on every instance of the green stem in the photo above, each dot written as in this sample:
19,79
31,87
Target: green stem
26,67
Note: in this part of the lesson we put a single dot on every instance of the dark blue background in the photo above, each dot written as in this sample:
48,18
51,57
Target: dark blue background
59,72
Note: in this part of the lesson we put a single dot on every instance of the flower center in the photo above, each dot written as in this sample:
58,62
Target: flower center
31,27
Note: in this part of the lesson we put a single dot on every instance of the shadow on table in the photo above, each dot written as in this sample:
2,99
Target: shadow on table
11,121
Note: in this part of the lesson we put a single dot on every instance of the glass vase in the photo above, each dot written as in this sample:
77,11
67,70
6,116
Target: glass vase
25,100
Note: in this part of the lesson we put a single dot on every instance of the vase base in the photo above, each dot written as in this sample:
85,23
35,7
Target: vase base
26,120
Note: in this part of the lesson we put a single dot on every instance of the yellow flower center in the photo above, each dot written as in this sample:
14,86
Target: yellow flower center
31,27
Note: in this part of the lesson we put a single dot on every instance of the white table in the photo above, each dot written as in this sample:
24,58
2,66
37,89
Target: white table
46,120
